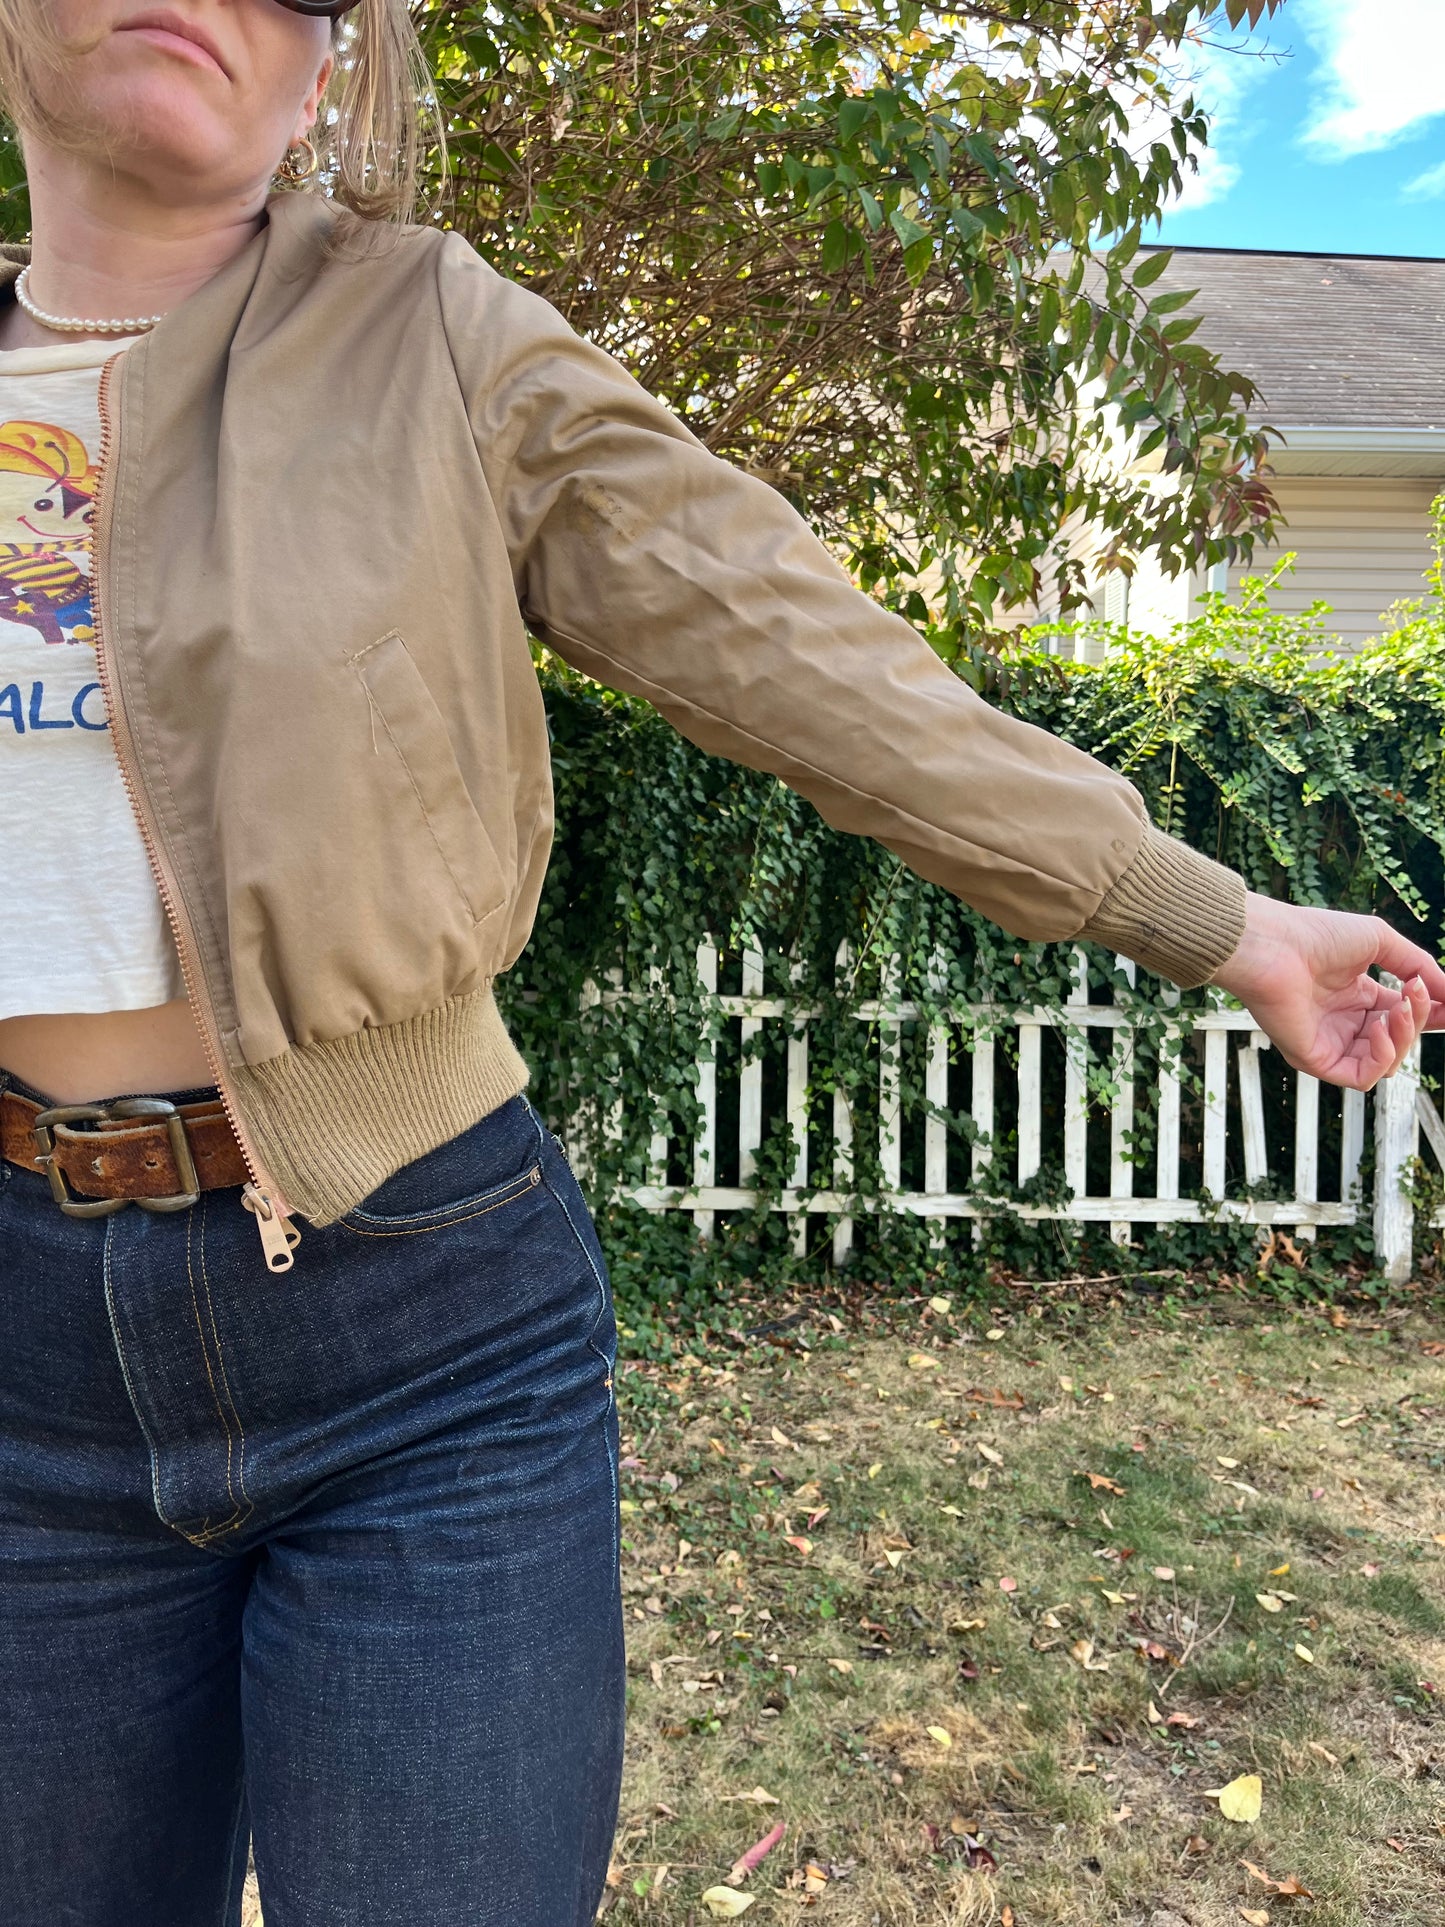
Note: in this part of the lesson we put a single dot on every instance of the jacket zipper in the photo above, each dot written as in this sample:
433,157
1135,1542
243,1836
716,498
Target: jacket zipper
260,1195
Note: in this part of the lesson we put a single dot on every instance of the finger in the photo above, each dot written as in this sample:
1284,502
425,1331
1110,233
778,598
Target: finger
1405,959
1402,1035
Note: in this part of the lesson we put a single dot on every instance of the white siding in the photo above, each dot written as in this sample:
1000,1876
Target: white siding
1363,542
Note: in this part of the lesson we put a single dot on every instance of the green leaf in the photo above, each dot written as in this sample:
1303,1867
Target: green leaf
853,117
908,231
1151,267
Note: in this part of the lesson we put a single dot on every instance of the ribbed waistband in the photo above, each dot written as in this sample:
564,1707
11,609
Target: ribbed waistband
331,1121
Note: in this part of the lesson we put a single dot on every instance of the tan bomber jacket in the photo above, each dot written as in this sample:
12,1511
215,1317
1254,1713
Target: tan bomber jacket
338,484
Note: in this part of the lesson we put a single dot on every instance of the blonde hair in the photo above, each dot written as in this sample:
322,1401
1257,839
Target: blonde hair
376,123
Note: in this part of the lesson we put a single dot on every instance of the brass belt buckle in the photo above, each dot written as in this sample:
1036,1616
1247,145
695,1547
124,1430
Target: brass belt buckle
77,1207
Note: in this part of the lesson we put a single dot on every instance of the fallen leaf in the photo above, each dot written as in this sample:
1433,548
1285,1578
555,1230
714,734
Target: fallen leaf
1279,1572
987,1452
1290,1887
940,1734
994,1333
1271,1602
815,1881
759,1797
747,1863
1398,1845
1230,1465
1324,1752
1369,1570
940,1305
841,1665
805,1546
953,1511
1006,1918
1185,1720
979,1480
778,1438
1101,1484
726,1903
1008,1585
1083,1651
875,1469
1162,1572
1304,1653
893,1558
922,1362
1256,1916
968,1625
1241,1800
1156,1718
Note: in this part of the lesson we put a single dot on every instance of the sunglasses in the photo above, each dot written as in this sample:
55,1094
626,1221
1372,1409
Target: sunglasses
319,9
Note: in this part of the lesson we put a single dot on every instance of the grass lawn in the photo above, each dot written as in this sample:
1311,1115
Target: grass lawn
982,1604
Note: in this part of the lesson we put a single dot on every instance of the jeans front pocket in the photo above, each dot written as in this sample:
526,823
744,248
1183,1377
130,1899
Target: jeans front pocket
492,1164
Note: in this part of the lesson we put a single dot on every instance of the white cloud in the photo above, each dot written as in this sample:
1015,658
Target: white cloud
1429,186
1221,77
1381,70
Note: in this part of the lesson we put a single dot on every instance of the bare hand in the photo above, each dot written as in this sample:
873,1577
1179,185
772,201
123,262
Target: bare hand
1304,977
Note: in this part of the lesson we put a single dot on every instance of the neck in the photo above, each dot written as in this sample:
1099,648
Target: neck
102,250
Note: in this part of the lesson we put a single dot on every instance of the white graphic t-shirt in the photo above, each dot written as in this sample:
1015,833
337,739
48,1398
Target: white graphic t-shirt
82,927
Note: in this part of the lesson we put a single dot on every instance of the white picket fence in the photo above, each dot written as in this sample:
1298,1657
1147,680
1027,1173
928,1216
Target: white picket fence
1398,1111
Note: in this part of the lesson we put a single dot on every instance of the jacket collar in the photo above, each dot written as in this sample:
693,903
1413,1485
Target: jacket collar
296,229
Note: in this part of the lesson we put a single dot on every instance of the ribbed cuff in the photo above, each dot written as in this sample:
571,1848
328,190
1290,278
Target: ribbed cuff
1173,911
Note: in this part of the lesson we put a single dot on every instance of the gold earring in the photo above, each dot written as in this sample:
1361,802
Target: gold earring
302,164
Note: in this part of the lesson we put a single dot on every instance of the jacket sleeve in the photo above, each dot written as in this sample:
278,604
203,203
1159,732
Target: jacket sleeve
656,568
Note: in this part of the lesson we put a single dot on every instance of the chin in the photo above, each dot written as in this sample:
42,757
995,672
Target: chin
162,130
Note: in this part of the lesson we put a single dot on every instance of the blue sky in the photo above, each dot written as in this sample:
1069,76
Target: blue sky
1329,133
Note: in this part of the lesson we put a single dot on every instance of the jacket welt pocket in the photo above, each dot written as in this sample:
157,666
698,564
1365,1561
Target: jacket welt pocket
406,716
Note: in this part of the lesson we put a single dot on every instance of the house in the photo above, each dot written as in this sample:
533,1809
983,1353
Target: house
1348,353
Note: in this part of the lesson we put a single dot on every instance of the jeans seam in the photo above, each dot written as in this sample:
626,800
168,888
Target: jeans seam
129,1381
609,1362
245,1498
207,1530
224,1917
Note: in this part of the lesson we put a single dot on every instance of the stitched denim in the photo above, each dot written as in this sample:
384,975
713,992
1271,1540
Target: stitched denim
328,1557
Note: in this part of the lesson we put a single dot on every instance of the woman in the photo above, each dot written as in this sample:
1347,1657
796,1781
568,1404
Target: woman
329,1559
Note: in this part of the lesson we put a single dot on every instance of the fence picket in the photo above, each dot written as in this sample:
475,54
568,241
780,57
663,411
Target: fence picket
1076,1086
890,1072
1216,1073
1251,1109
704,1149
1031,1108
842,1139
935,1131
797,1101
1121,1120
1352,1145
750,1092
1397,1140
1306,1146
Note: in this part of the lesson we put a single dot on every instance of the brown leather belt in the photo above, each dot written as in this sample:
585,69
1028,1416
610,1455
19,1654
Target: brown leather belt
142,1150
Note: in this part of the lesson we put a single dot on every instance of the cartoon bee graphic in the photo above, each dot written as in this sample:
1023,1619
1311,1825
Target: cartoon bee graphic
47,507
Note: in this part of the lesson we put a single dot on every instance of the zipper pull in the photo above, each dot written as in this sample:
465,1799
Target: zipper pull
279,1237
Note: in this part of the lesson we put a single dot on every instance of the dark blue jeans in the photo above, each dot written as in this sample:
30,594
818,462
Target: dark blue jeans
327,1559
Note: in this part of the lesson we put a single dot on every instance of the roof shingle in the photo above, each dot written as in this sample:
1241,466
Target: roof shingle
1331,341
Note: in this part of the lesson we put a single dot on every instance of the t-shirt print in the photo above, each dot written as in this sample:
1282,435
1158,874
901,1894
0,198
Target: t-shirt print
47,509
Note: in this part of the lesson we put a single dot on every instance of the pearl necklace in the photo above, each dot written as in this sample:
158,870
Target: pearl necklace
75,324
